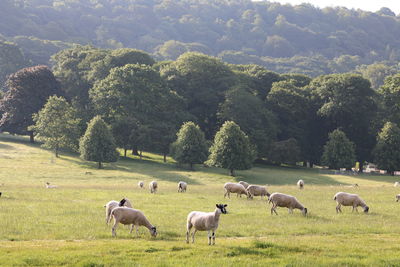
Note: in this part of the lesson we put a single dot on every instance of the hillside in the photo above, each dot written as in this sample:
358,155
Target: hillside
239,31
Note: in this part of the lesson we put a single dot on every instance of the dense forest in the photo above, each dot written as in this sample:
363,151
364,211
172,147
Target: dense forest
276,83
283,38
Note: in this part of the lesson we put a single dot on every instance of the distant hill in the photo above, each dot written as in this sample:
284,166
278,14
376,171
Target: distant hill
305,38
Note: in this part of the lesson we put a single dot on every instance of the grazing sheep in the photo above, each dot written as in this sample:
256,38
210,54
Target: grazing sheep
347,199
396,184
131,216
141,184
113,204
49,186
234,188
182,186
204,221
287,201
244,184
257,190
397,197
153,186
300,184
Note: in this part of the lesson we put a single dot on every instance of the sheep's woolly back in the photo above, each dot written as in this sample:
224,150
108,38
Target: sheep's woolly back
182,186
153,186
257,190
244,184
300,184
396,184
126,216
287,201
235,188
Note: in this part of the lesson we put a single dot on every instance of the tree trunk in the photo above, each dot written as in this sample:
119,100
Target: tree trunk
360,166
165,158
311,164
56,152
191,166
135,151
31,137
99,167
125,152
140,155
232,172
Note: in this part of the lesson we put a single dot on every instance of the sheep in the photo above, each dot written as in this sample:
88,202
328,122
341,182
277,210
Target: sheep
347,199
131,216
141,184
234,188
287,201
396,184
113,204
182,186
153,186
204,221
256,190
244,184
300,184
49,186
397,197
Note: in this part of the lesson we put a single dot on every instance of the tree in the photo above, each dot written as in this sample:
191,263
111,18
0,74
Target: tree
286,151
338,151
231,149
251,114
390,93
28,91
386,151
97,144
57,125
125,131
190,146
346,101
11,60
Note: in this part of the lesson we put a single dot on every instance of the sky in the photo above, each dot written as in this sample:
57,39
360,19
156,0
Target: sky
369,5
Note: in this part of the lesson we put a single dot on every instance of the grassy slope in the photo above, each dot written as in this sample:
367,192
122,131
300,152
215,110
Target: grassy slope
65,226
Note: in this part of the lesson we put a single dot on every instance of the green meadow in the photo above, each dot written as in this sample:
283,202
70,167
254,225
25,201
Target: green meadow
66,226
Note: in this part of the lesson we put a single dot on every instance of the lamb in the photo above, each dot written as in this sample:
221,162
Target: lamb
287,201
396,184
131,216
49,186
300,184
141,184
234,188
153,186
256,190
244,184
204,221
397,197
182,186
347,199
113,204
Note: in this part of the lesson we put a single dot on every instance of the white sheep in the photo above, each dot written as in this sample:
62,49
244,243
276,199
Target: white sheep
396,184
131,216
300,184
397,197
113,204
287,201
234,188
204,221
153,186
347,199
257,190
140,184
49,186
244,184
182,186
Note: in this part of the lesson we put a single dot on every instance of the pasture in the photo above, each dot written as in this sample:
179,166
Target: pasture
66,226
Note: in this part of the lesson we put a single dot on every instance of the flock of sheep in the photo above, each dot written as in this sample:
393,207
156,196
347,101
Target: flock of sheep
124,213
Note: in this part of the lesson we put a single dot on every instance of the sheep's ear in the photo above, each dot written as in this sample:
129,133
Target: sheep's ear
225,205
217,205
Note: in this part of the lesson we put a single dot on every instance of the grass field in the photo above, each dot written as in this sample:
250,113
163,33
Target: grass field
66,226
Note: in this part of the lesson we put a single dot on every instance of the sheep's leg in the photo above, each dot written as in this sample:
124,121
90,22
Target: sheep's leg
213,237
354,208
114,228
338,208
137,230
194,232
290,210
226,192
209,237
187,236
132,227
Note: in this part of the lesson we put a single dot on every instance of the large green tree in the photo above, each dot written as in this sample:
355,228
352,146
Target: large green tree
190,146
338,151
386,151
11,60
28,90
97,144
347,101
231,149
390,95
57,125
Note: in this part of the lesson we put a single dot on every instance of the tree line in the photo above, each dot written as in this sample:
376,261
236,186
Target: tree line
334,120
